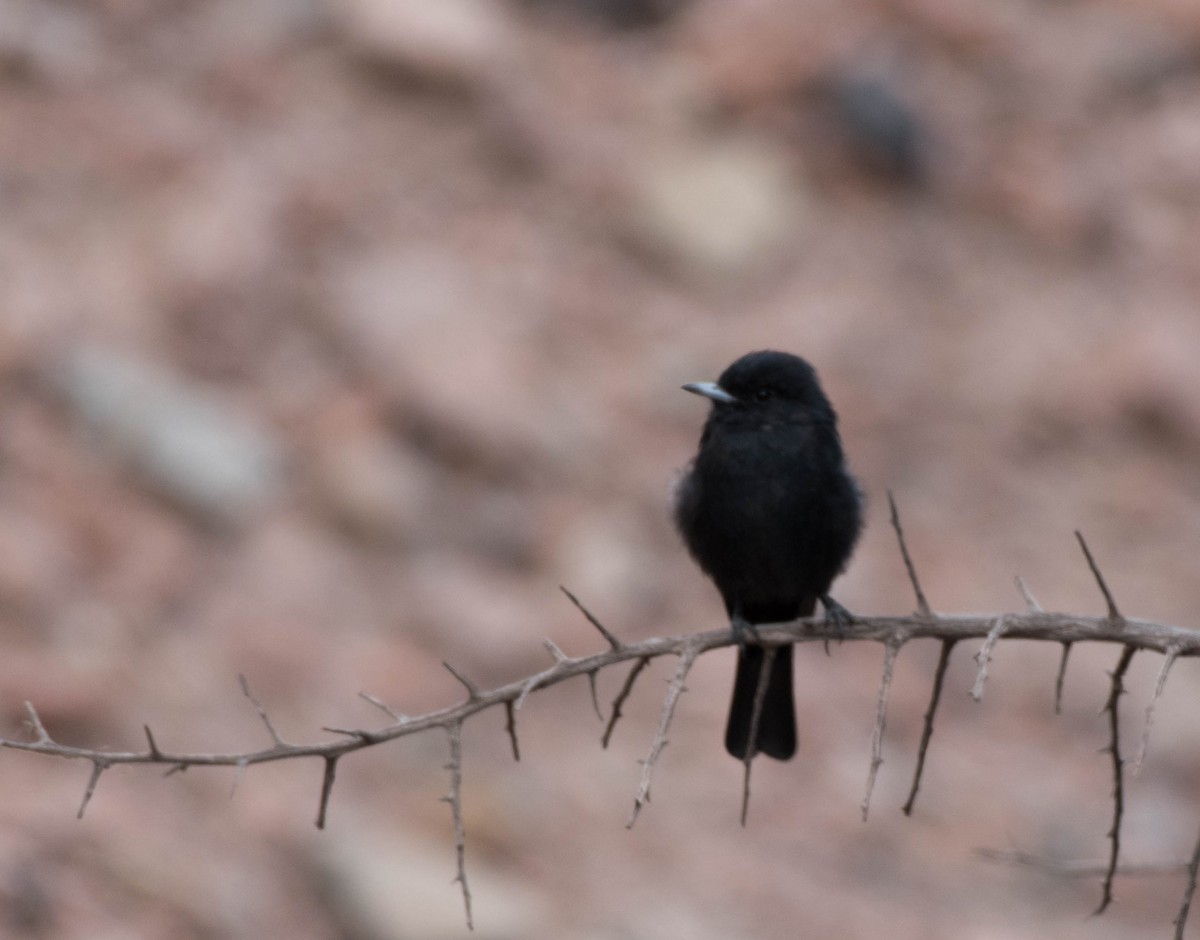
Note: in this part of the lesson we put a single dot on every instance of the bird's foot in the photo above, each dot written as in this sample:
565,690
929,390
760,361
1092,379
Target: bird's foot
743,629
837,617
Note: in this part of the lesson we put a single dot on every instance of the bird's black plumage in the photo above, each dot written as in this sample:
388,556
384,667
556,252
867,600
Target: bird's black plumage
771,513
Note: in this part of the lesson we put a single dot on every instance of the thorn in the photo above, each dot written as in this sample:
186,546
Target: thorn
1031,602
262,712
1061,678
595,694
155,753
366,737
604,632
387,710
510,725
1113,614
552,648
39,729
922,604
98,767
326,789
473,692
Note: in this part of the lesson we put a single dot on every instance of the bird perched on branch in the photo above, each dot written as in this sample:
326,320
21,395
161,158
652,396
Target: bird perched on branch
771,513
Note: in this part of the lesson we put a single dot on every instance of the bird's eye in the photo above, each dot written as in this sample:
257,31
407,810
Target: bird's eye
763,394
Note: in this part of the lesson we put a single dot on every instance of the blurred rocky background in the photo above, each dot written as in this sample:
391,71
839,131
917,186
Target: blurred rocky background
336,334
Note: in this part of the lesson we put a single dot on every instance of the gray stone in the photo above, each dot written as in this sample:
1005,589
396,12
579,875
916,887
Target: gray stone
452,42
716,208
191,444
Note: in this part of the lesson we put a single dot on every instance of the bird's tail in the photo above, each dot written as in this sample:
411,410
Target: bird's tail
776,735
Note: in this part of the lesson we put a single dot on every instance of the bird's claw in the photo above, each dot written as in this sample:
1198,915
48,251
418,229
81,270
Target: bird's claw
836,616
743,629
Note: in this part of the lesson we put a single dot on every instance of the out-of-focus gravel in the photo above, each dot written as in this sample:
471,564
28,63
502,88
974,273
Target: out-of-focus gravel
336,334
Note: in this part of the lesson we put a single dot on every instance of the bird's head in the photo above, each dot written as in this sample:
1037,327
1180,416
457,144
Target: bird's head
767,384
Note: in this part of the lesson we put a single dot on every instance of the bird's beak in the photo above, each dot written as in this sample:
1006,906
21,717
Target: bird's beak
710,390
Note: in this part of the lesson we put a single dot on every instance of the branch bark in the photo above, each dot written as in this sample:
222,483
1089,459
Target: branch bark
1034,624
1044,626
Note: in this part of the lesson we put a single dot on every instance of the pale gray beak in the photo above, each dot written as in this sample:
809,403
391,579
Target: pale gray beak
710,390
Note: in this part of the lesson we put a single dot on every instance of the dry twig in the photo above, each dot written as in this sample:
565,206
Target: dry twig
473,693
454,798
890,650
1159,685
383,707
939,678
984,656
542,678
1113,614
262,712
604,632
1188,892
1045,626
760,696
1072,868
686,658
1031,602
1116,690
622,695
922,604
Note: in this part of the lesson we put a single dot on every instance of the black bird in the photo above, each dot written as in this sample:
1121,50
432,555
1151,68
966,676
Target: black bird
771,513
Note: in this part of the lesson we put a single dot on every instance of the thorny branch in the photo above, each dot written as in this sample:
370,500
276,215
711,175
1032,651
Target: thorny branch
1112,706
1034,624
1038,625
939,676
1046,626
